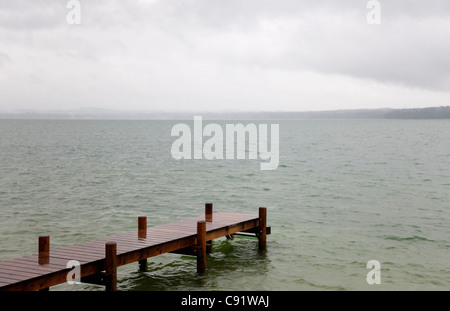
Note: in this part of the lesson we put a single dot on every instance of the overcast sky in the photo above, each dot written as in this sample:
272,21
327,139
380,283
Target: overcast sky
179,55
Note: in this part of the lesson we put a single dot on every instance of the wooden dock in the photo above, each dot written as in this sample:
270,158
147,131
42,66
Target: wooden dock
98,259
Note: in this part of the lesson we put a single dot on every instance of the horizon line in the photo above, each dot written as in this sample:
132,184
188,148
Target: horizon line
100,110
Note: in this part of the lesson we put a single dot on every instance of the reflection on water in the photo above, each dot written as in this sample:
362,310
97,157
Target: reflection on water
226,263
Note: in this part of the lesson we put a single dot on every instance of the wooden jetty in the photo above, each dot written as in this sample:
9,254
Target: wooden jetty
98,259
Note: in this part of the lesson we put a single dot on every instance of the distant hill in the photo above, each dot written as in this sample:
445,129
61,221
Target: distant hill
105,114
422,113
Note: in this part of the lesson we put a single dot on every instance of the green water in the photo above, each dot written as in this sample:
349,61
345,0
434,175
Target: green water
346,192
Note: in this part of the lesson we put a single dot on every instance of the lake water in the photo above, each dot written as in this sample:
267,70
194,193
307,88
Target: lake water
345,192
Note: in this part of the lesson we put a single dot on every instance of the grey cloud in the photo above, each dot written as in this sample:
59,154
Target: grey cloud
4,59
31,15
409,47
195,41
398,52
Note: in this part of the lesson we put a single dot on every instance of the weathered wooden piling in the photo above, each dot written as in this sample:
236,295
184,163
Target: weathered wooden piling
208,212
44,249
201,246
262,232
142,227
111,266
142,234
44,253
208,218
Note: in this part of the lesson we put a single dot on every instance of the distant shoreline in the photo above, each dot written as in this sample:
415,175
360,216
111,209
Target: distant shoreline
442,112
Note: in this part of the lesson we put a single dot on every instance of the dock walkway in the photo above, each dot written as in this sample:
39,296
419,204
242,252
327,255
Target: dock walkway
98,259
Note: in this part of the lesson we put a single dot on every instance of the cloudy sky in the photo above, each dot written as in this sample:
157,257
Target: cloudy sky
181,55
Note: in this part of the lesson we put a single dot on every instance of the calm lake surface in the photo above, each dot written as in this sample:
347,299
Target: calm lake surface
345,192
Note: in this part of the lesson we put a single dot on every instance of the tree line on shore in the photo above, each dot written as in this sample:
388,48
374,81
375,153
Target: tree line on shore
442,112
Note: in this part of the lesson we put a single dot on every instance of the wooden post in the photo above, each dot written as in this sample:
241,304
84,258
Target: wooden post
262,232
142,234
44,253
201,246
209,212
44,249
208,218
111,266
142,227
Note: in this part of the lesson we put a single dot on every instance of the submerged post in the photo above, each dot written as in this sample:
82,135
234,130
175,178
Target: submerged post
201,246
111,266
142,234
209,212
262,230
